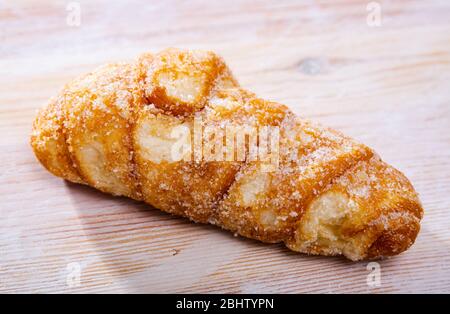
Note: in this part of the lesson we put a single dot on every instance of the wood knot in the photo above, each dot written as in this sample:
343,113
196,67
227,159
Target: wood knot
312,66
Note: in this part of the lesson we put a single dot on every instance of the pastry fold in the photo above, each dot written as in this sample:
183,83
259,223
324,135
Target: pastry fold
176,131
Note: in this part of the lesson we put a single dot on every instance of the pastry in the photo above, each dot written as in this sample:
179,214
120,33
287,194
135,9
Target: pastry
176,131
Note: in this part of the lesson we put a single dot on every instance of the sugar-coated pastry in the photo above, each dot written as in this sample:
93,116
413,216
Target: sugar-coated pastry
166,128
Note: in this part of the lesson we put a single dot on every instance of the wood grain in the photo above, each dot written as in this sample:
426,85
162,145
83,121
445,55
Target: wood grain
387,86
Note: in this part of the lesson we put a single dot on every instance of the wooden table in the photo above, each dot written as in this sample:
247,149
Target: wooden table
387,85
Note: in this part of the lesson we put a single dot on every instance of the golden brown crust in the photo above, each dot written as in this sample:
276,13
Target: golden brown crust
99,111
113,129
48,139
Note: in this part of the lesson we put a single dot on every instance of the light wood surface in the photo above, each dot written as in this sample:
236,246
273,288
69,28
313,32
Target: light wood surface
387,86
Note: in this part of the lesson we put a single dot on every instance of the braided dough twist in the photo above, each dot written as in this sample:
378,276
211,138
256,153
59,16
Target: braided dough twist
112,129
